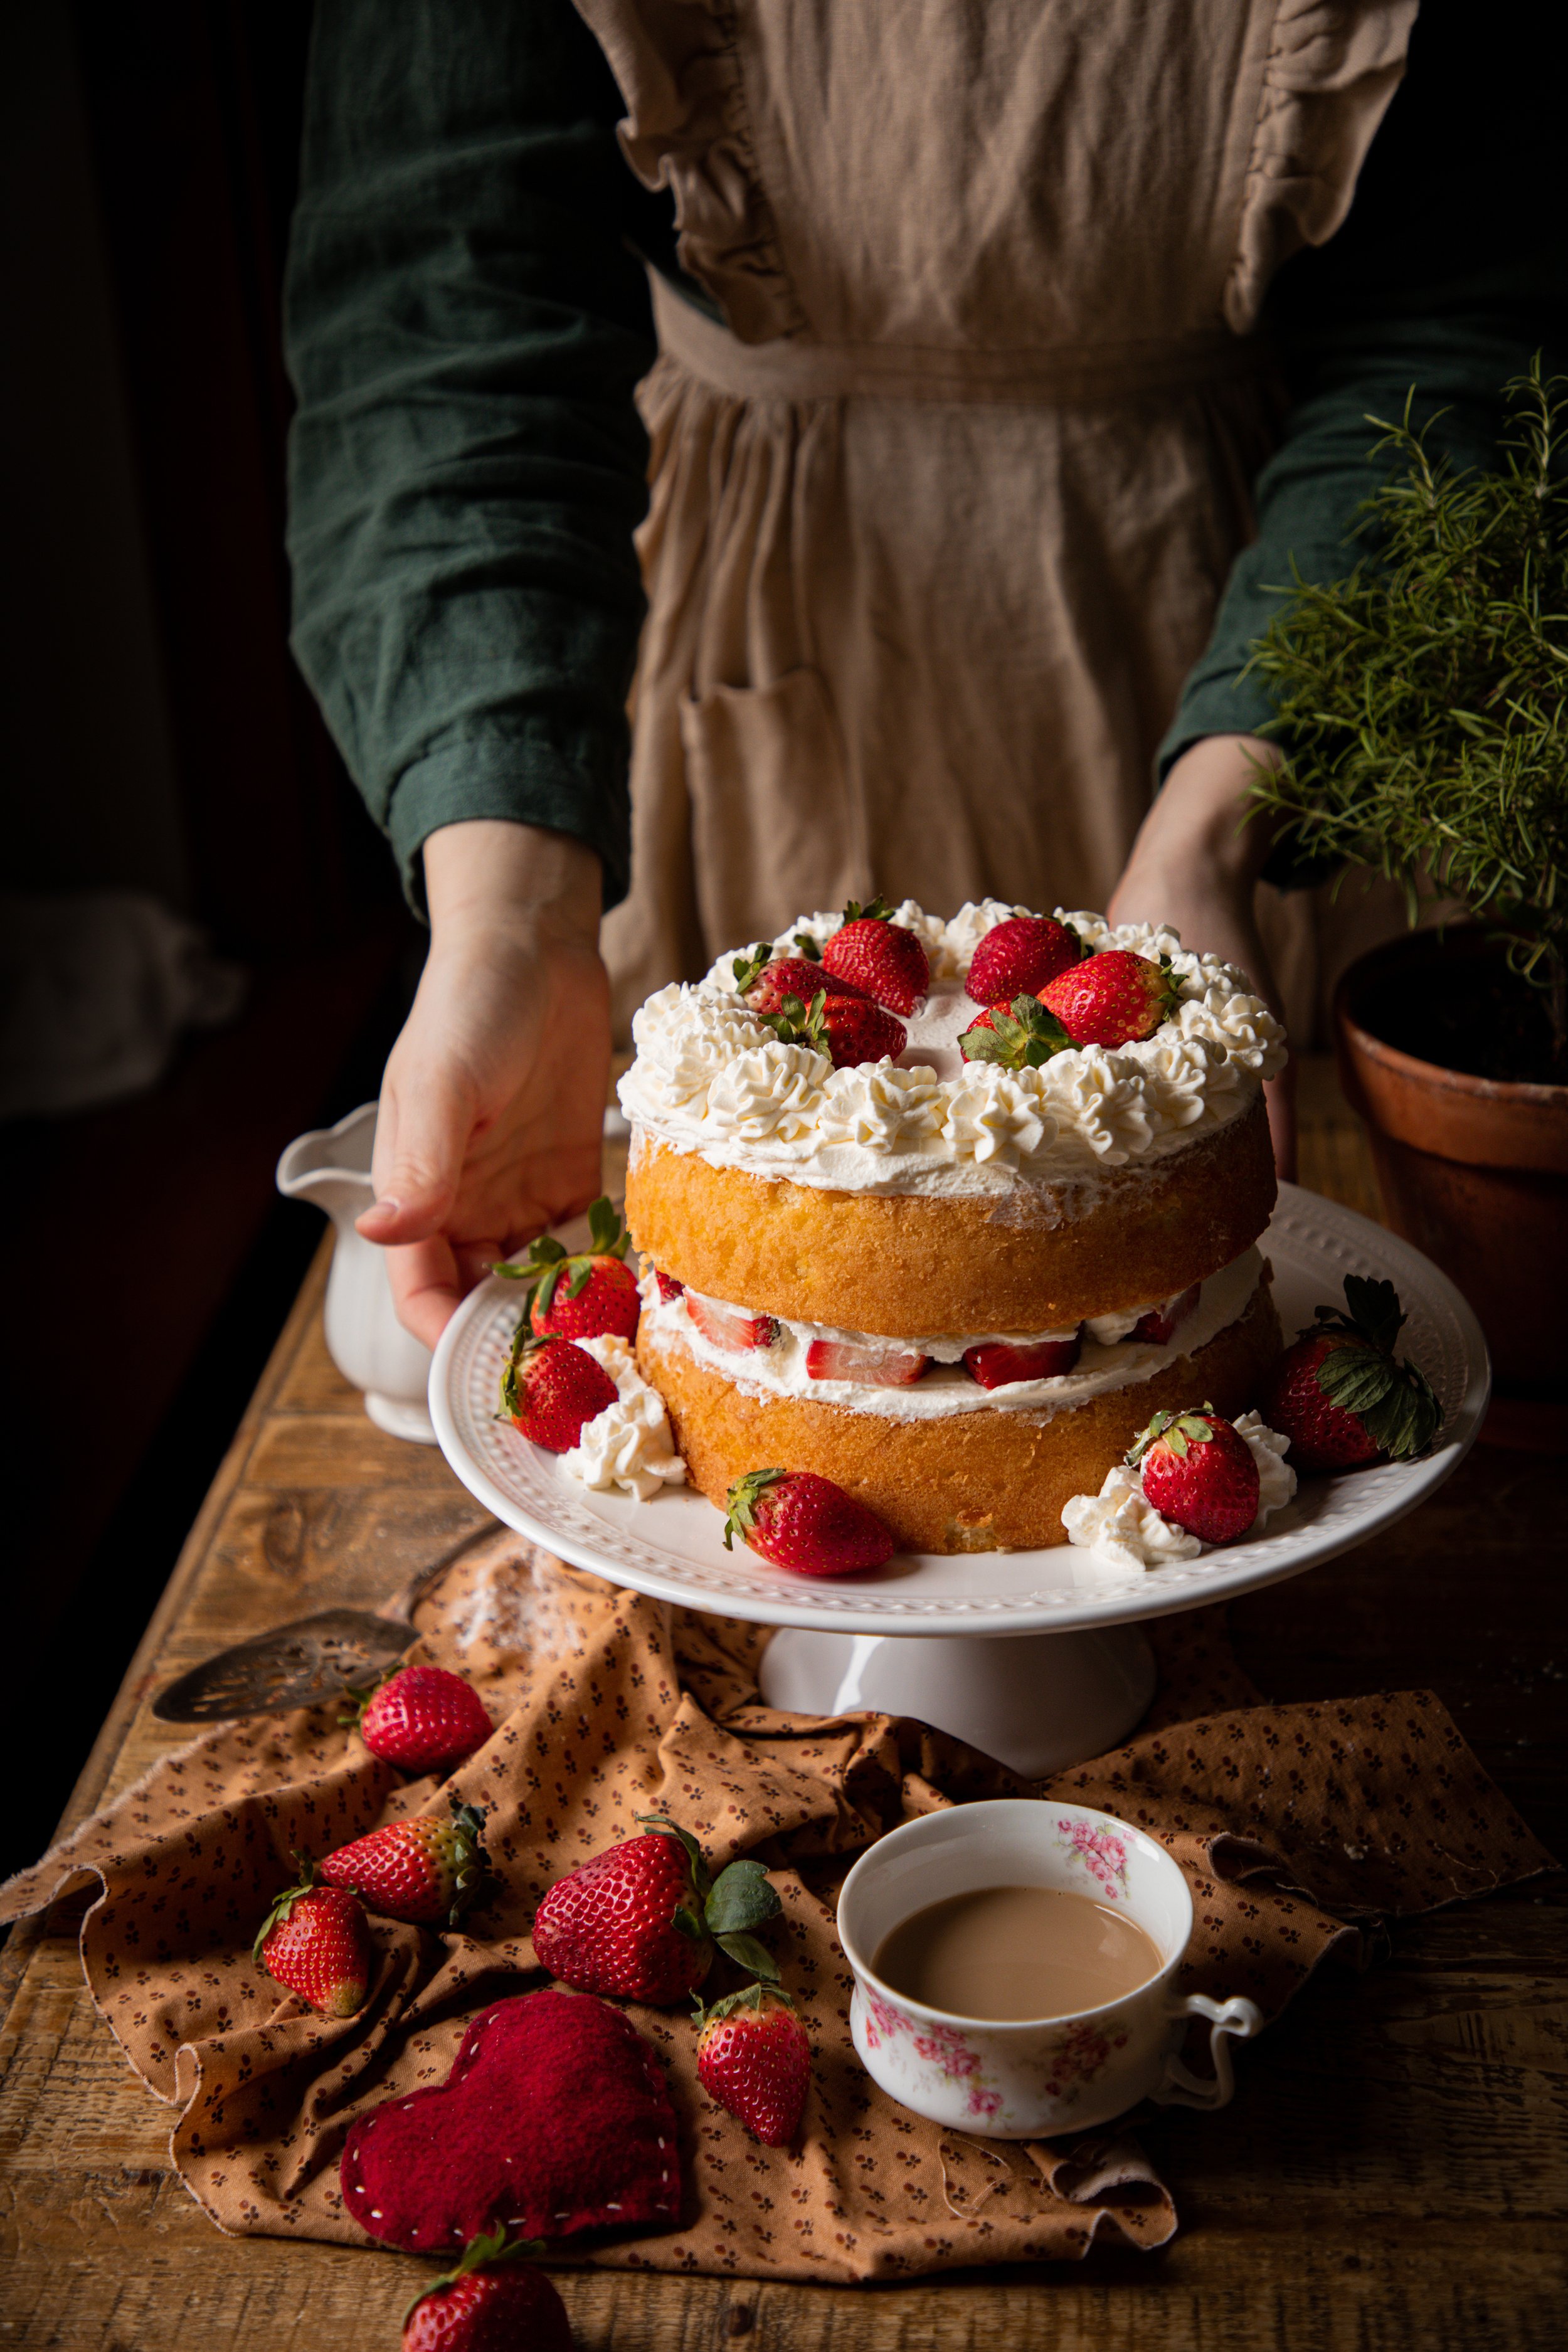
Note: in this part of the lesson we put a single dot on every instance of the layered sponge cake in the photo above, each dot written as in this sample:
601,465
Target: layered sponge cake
957,1289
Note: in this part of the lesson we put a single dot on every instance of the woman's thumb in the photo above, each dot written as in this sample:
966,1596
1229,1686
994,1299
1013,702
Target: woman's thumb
419,1165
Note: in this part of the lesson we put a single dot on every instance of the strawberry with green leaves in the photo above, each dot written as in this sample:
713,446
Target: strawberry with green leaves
765,981
753,2058
493,2300
641,1920
584,1295
848,1029
806,1523
1198,1472
878,955
425,1870
314,1942
550,1389
1018,1036
1339,1394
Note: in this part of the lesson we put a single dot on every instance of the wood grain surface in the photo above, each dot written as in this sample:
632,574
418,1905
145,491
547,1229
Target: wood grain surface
1392,2175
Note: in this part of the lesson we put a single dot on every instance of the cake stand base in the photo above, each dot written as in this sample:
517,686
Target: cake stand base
1036,1702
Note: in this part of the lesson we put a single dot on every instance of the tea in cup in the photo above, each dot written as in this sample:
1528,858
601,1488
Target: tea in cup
1015,1966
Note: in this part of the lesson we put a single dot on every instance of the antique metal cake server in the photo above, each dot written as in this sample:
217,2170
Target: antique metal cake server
309,1659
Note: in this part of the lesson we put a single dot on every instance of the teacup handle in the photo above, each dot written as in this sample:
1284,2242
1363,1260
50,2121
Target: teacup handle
1179,2086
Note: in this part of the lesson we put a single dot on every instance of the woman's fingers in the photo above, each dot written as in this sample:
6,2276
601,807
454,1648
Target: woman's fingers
426,1287
428,1120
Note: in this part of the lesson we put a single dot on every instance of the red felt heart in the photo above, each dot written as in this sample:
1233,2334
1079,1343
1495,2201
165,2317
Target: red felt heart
554,2118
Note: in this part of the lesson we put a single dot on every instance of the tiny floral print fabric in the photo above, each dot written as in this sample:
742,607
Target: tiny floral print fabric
1295,1825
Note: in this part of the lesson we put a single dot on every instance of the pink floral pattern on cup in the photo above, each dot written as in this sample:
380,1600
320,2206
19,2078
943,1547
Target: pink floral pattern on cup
946,2047
1084,2050
1103,1854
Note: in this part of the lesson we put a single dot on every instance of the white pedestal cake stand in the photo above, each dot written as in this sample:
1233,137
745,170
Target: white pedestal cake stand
1033,1656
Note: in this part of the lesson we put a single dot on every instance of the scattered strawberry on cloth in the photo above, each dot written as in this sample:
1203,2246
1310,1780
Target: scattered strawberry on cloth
1293,1824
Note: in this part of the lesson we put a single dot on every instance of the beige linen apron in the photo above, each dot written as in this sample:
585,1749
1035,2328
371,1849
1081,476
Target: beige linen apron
941,517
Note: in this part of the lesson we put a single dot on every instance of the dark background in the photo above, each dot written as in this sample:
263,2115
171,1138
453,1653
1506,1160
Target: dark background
159,739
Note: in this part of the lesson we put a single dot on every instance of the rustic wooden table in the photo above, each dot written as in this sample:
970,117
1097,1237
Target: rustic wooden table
1393,2175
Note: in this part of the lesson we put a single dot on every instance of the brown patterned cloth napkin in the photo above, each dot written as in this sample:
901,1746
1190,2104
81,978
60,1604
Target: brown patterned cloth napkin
1293,1823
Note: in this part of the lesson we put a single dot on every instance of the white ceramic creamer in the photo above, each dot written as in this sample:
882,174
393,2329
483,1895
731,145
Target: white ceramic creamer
330,1168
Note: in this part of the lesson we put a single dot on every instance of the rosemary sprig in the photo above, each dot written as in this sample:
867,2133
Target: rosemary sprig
1420,700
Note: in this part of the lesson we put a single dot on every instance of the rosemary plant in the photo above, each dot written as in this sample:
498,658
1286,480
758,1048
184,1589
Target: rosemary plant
1421,700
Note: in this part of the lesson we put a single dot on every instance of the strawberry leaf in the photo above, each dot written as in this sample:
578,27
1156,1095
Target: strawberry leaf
749,969
1024,1037
1179,1431
282,1906
806,946
485,2252
661,1825
1374,1309
1355,1378
1145,1439
609,1237
743,1898
796,1024
878,911
741,1503
686,1923
1394,1403
523,1343
750,1995
747,1953
581,1275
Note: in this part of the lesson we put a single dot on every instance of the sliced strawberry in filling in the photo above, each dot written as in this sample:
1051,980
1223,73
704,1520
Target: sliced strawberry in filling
1159,1325
668,1288
730,1326
875,1366
996,1365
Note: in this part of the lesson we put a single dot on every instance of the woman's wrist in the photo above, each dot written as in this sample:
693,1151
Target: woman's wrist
489,877
1198,824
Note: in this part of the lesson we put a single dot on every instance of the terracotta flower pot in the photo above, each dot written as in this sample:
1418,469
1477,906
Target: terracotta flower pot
1474,1172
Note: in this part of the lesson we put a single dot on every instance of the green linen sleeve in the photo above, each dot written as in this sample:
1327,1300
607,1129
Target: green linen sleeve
466,324
1447,276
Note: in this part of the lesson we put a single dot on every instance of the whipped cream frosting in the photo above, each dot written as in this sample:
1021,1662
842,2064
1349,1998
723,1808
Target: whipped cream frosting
1113,1362
628,1445
709,1078
1122,1532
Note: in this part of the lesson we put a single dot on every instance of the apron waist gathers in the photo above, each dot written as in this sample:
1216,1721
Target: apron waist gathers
790,368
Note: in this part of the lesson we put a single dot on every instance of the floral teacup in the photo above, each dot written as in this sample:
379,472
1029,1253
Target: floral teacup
1040,2075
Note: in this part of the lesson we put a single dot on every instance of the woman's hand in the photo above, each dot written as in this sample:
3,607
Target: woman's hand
1196,865
492,1103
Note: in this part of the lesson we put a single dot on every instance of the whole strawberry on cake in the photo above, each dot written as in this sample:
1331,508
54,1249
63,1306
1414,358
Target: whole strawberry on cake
946,1211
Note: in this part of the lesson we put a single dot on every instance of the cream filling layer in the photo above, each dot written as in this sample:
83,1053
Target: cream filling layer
1106,1361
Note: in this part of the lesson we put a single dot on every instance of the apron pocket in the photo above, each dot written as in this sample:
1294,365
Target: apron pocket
774,826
